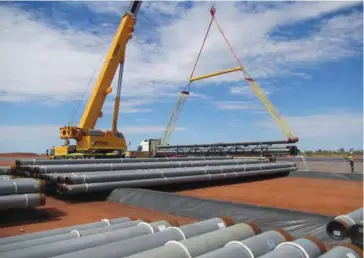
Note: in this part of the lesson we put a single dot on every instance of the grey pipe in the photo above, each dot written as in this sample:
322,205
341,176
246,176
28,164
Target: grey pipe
77,178
308,247
5,170
69,235
147,165
19,186
356,234
106,186
147,242
251,247
5,177
161,173
68,246
201,244
338,228
8,202
58,231
343,251
112,160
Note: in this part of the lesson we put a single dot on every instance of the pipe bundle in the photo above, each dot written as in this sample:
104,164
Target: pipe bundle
25,164
343,250
73,177
341,225
20,193
125,237
84,183
78,168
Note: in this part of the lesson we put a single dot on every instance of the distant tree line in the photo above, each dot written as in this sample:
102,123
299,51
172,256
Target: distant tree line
340,151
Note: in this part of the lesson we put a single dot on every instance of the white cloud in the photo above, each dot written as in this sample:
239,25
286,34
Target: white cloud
334,129
57,65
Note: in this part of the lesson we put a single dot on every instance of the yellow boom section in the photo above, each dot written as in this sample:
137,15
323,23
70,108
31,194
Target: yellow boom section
115,56
215,74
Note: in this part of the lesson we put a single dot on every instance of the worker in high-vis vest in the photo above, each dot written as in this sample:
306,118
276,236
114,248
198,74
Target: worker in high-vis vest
351,160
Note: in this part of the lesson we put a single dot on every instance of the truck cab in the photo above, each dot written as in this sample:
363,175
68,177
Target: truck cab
149,146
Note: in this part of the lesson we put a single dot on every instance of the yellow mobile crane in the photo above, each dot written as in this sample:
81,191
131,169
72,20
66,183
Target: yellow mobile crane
90,141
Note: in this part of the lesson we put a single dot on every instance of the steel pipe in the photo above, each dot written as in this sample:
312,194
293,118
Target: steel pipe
58,231
343,251
106,186
20,186
111,160
147,165
307,247
21,201
338,228
89,177
202,244
251,247
73,234
147,242
68,246
98,177
6,177
356,234
5,170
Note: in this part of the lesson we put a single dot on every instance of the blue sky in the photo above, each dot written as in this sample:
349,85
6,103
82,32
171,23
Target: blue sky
307,56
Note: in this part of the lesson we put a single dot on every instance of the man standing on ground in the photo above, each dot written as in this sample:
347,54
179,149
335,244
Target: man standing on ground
351,161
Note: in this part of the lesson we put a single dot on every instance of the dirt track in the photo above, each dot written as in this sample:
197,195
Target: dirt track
58,213
330,197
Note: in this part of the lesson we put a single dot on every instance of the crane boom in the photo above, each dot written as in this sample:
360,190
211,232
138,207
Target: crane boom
114,58
88,139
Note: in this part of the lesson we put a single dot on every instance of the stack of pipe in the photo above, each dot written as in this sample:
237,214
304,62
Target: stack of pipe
133,238
93,238
26,164
347,226
74,178
84,183
26,167
20,193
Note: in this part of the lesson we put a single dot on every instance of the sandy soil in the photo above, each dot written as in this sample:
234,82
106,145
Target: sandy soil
58,213
329,197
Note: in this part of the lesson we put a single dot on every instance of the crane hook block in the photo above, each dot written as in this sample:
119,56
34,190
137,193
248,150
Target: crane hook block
212,11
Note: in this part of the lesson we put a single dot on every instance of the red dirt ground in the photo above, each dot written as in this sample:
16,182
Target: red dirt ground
329,197
58,213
